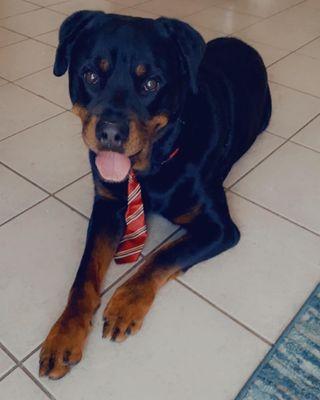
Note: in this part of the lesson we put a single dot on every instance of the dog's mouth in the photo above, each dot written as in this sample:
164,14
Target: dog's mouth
113,166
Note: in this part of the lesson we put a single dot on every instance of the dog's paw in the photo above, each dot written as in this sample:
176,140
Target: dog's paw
126,310
63,347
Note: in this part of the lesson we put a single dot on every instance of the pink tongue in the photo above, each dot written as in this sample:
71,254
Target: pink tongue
112,166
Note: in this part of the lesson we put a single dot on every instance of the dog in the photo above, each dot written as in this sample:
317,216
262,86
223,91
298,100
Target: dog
168,114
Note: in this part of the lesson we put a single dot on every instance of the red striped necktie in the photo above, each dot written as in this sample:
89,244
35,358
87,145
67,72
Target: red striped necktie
135,234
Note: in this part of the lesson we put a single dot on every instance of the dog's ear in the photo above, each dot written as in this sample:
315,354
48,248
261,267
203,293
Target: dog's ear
69,31
191,45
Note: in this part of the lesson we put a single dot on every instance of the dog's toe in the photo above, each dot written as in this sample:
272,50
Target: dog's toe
125,311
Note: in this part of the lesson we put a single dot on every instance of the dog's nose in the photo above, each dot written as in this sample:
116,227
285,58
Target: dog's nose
112,134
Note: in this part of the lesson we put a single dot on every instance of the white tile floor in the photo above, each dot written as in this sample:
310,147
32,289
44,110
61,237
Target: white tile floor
209,329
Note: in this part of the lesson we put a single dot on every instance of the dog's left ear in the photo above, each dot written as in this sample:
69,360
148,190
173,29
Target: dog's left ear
191,46
68,33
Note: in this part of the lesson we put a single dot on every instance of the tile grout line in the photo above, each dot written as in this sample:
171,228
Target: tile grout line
225,313
266,18
71,183
275,134
18,41
7,373
256,165
126,273
304,146
27,37
8,353
49,195
259,16
12,358
16,83
261,19
24,211
164,241
71,207
35,4
291,88
13,31
19,14
235,12
37,382
286,140
19,365
25,178
136,7
28,12
36,38
275,213
278,48
139,4
292,138
295,51
41,201
32,352
32,126
67,14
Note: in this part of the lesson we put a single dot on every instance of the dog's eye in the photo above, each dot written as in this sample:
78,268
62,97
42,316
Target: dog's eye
91,77
151,85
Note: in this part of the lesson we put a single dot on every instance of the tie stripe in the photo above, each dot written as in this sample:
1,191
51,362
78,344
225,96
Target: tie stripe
135,234
135,193
135,215
130,251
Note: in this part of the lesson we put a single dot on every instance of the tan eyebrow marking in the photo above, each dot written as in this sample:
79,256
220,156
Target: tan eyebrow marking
104,64
140,70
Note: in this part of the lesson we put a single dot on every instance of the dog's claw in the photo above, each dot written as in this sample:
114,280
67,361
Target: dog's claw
128,331
105,329
115,334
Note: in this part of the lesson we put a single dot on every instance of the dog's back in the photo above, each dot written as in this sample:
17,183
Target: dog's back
236,78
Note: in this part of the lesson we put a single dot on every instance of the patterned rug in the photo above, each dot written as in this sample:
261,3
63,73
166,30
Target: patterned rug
291,370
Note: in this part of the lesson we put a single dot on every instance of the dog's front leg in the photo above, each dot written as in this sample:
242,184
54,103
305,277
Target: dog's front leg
130,303
64,344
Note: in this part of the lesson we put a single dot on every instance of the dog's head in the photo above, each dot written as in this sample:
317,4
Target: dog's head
127,79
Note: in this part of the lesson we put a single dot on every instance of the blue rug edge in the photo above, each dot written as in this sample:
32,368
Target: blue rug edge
244,391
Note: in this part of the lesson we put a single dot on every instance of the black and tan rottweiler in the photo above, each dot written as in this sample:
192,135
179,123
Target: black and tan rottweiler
146,90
